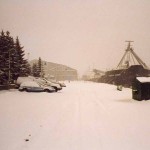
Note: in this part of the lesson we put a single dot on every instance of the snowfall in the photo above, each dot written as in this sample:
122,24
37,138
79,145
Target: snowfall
82,116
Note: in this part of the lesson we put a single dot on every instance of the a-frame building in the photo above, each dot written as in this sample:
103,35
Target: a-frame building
129,67
130,58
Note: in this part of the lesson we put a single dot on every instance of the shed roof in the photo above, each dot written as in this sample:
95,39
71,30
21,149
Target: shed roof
143,79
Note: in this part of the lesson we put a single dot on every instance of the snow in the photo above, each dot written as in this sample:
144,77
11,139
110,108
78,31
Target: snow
143,79
83,116
24,79
30,83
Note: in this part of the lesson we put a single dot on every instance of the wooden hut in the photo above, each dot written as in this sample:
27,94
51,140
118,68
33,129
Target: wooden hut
141,88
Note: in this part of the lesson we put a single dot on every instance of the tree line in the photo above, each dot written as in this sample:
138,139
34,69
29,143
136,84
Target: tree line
12,61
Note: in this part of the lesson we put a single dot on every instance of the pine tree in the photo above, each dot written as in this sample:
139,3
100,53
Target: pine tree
40,68
28,69
12,62
1,57
35,72
7,52
23,67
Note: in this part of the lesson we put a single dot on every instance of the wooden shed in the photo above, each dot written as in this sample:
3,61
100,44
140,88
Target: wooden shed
141,88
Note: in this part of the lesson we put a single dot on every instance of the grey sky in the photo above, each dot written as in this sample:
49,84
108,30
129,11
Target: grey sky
79,33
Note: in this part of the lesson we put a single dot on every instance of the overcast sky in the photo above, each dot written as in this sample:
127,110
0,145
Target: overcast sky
79,33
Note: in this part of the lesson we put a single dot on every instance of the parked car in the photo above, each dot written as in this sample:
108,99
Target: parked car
62,84
20,80
56,86
57,82
32,86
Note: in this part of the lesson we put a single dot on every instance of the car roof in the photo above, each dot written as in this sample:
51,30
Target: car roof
29,83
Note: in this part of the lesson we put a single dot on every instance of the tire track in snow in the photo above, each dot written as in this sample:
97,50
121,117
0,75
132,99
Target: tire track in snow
55,130
88,132
72,127
100,102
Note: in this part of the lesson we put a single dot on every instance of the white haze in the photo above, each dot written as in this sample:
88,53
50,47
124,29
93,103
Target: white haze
82,34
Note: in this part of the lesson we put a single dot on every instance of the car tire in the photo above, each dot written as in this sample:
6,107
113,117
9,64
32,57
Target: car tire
26,90
55,89
47,90
21,90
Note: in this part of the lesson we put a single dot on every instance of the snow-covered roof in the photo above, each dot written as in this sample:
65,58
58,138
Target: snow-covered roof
143,79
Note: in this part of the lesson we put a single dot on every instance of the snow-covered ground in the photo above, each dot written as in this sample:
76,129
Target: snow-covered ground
83,116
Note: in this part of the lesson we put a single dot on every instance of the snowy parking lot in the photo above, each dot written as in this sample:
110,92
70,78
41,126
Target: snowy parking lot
82,116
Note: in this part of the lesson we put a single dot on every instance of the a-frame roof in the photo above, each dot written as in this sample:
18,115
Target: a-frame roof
130,58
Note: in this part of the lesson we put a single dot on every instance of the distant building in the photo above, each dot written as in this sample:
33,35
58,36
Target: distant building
58,71
93,75
129,67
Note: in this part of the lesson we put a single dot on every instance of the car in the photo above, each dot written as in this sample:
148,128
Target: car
32,86
62,84
20,80
56,86
57,82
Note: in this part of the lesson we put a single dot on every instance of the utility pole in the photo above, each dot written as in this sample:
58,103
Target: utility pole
9,73
28,56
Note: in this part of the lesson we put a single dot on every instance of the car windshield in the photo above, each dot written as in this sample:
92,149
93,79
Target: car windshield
42,84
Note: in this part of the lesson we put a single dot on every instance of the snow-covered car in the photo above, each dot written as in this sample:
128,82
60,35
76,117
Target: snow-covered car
57,82
32,86
20,80
62,84
56,86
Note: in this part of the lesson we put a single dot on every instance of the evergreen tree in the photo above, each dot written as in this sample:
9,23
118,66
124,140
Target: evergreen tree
40,68
2,76
23,66
7,54
39,65
35,72
28,69
12,62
